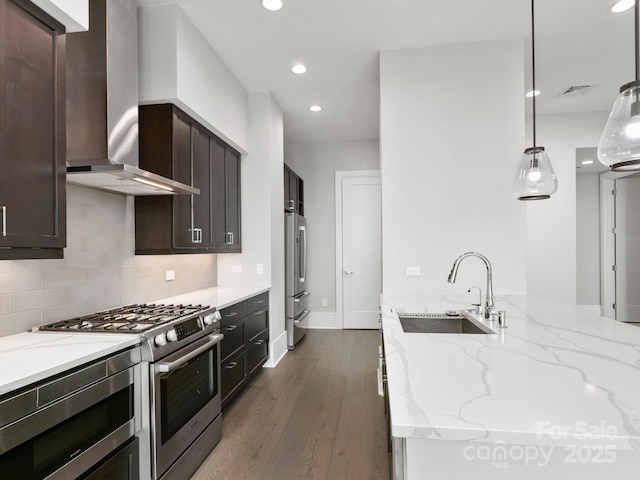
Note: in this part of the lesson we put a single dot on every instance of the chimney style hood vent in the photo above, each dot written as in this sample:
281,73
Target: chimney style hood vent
102,105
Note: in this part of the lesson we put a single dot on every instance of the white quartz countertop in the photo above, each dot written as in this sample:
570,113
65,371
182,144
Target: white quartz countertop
219,297
26,358
554,375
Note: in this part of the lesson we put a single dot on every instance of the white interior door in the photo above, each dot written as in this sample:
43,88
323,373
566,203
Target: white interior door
627,249
361,252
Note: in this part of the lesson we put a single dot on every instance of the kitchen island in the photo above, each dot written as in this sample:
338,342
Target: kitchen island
554,395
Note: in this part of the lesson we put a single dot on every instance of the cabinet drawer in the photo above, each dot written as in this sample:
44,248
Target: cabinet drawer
234,373
256,322
234,338
233,313
258,352
259,302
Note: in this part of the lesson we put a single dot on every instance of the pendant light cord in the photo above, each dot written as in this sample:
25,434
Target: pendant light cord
533,65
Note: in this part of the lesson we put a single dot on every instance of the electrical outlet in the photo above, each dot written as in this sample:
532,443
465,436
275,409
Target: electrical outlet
236,268
170,275
259,269
413,271
325,302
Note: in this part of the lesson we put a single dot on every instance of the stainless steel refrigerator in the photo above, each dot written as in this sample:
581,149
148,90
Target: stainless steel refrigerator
296,277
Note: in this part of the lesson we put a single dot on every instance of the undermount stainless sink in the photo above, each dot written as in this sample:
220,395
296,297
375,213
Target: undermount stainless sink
452,322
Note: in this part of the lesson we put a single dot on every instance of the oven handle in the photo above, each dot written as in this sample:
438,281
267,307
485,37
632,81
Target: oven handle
166,367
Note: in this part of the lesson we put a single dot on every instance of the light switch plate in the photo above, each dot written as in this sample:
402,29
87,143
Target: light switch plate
259,269
236,268
170,275
325,302
413,271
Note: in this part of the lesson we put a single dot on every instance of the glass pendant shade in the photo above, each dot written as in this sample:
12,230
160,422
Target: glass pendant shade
536,179
619,146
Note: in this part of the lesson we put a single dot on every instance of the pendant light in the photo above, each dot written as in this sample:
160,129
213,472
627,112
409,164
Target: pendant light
619,146
536,179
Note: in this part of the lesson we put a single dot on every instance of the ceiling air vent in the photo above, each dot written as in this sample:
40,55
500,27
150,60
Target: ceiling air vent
577,90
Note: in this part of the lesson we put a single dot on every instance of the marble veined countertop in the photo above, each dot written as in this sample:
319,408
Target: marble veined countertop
554,375
30,357
219,297
26,358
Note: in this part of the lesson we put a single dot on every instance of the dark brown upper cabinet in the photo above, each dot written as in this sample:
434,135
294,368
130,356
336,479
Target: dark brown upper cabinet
32,133
174,145
293,192
226,198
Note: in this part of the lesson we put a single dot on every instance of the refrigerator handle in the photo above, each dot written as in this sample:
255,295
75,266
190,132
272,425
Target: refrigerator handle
303,253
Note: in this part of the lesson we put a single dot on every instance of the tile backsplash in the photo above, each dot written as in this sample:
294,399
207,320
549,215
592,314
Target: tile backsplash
99,269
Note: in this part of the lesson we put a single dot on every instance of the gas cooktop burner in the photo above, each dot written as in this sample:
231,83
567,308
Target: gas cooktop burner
127,319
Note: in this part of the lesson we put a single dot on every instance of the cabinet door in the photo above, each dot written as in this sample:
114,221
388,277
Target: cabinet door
218,153
232,197
32,134
293,192
287,189
202,234
182,172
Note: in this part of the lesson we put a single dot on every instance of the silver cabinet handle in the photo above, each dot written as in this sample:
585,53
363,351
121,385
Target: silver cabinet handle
230,236
166,367
231,328
302,316
258,302
348,272
231,314
298,297
231,365
258,312
4,220
259,342
303,253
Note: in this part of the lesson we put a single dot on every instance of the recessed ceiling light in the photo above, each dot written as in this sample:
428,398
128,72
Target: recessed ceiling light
299,69
622,6
272,5
532,93
587,162
315,108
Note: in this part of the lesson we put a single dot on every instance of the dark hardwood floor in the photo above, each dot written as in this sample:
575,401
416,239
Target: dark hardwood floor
316,415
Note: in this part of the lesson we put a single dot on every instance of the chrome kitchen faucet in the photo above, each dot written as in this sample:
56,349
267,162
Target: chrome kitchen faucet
489,304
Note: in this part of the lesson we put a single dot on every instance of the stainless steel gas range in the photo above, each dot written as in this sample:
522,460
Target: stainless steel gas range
180,378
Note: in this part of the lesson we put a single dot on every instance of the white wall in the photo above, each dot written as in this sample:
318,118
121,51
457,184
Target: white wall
73,14
451,136
262,218
588,239
316,164
99,269
178,66
551,224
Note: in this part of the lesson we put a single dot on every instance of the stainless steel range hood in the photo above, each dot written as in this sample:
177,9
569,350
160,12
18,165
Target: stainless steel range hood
102,105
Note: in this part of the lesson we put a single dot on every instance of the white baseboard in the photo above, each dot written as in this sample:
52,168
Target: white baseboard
323,320
278,350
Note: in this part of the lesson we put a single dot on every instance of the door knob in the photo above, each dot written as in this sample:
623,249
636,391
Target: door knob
348,272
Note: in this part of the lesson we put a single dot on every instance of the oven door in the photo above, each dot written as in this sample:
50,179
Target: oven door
185,398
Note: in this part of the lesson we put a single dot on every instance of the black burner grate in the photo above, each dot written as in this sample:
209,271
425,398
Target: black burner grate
128,319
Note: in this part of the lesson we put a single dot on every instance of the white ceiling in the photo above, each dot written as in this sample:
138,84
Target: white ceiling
577,42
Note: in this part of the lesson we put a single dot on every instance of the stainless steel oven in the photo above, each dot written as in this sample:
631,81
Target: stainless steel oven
180,370
75,425
185,405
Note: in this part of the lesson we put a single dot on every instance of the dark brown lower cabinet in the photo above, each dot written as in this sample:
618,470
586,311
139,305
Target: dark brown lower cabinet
32,133
245,347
